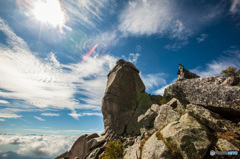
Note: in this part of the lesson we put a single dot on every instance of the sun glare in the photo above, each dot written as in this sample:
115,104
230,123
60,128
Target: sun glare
49,11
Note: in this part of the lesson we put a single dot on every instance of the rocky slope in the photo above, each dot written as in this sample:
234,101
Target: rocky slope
202,114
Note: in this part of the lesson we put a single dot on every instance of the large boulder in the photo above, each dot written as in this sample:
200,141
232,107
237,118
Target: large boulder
189,136
165,115
211,119
81,147
155,149
203,91
124,99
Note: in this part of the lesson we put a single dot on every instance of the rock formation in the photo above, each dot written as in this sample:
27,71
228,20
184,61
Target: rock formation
202,114
125,99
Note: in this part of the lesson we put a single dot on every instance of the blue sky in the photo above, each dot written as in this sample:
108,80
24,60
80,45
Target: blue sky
55,56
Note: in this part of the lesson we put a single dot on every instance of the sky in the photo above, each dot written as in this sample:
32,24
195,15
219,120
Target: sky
55,56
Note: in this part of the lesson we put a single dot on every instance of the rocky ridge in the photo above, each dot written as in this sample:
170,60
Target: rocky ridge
202,114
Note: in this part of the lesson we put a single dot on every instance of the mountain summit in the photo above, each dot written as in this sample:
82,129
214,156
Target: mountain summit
196,117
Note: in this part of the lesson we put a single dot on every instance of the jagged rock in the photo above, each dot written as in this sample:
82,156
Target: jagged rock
165,115
231,81
185,74
224,145
155,149
95,153
147,120
204,91
96,142
219,80
176,105
189,136
125,99
132,152
211,119
80,148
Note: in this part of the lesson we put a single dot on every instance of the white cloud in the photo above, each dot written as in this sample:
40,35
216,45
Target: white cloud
176,45
202,38
77,115
88,13
235,7
45,83
133,57
50,114
2,119
38,118
172,18
39,145
151,80
214,67
7,115
4,102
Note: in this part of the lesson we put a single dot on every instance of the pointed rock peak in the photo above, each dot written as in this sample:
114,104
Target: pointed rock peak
125,99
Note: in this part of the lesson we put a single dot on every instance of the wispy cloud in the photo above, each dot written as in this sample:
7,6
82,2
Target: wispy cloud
88,13
46,83
50,114
214,67
166,17
7,115
151,80
4,102
202,38
173,19
2,119
176,45
77,115
38,118
235,7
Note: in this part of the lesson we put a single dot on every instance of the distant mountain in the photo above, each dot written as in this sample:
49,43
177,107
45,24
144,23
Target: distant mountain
13,155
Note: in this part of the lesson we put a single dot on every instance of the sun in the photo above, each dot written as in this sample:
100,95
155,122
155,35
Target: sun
49,11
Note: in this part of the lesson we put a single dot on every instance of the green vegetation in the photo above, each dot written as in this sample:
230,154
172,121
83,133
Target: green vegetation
230,71
229,136
114,150
163,101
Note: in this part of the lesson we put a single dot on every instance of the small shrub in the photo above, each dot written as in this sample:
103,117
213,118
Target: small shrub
114,150
229,136
230,71
163,101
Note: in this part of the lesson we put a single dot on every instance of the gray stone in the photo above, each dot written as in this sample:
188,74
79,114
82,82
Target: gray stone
95,142
147,120
132,152
211,119
165,115
231,81
185,74
189,136
124,99
224,145
155,149
176,105
95,153
80,147
204,91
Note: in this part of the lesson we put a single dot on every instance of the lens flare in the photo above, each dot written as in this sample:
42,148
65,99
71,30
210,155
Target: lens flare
89,53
